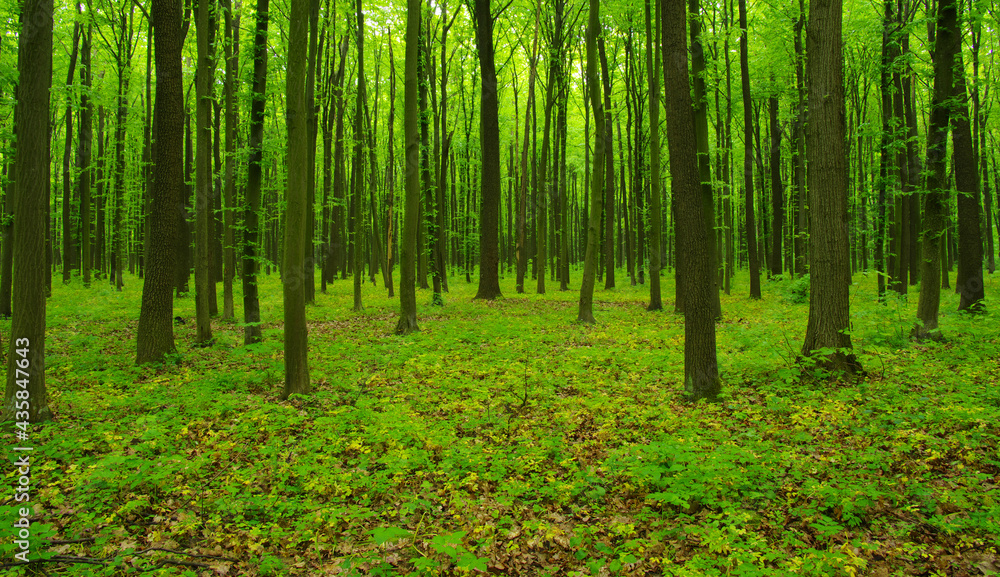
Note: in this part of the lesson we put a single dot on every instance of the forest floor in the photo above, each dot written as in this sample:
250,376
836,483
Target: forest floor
506,438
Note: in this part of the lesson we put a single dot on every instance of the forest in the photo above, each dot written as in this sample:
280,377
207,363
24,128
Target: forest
522,287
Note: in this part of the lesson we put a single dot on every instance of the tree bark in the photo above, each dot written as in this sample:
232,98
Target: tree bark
586,309
655,231
203,177
489,221
84,158
231,48
155,336
751,226
701,370
777,190
969,281
359,161
296,211
25,396
827,332
408,243
251,218
69,257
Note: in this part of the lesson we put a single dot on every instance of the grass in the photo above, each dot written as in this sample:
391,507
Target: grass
505,437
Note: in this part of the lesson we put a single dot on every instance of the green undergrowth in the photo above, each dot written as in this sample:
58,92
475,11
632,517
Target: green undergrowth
506,438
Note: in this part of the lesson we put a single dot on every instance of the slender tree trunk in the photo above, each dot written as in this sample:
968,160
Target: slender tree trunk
231,48
946,46
408,243
799,163
609,175
586,310
311,131
69,249
251,218
522,198
543,190
751,226
777,190
359,162
656,228
203,181
84,158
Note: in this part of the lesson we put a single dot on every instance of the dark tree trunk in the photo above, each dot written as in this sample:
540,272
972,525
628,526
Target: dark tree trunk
656,229
232,52
251,218
777,190
311,131
293,275
830,273
408,242
798,147
609,173
947,43
586,309
701,370
359,161
522,197
969,281
69,256
84,159
751,226
32,182
203,176
155,337
489,221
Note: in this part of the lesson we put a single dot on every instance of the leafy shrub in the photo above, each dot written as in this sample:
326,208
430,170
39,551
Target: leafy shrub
798,290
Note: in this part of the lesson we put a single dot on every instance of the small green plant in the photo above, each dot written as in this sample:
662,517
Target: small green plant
798,290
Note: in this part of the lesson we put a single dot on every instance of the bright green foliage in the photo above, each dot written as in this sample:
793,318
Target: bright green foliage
504,437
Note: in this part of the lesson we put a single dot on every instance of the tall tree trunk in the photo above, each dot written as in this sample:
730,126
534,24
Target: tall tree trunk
830,273
428,184
801,247
655,231
947,43
408,243
489,220
969,280
296,211
522,198
26,349
586,309
69,248
701,370
84,158
251,219
543,190
231,48
701,132
751,226
359,161
155,336
311,130
609,174
390,179
777,190
203,177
